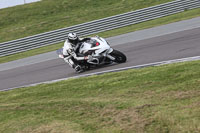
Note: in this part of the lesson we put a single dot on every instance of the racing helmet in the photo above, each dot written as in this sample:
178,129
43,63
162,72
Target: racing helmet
73,38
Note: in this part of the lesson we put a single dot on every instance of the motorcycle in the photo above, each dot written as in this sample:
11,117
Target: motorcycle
101,52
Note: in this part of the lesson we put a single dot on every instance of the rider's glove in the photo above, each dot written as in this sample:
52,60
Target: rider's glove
89,58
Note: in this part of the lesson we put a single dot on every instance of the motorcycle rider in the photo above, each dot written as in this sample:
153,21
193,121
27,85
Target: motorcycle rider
70,51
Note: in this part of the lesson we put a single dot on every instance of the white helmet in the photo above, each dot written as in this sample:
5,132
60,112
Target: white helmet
73,38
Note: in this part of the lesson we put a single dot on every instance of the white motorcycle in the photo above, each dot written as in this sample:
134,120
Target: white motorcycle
101,52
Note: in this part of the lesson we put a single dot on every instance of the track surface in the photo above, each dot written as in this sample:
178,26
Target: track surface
173,46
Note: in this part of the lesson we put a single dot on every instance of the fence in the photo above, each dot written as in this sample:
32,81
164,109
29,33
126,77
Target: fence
109,23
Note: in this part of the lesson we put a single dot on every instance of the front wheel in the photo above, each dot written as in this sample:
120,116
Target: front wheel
119,56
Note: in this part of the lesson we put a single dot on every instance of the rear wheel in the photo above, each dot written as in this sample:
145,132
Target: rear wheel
119,56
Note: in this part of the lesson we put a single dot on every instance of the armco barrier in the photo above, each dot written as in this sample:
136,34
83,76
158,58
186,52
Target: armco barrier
109,23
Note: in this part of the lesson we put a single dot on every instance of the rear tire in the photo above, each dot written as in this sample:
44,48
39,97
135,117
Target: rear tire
119,56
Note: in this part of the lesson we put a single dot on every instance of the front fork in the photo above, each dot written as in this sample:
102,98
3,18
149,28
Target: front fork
107,54
110,57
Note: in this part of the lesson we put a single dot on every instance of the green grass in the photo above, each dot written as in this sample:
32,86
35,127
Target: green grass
161,21
153,99
47,15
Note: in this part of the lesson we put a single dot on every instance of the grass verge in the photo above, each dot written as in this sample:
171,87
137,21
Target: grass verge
161,21
47,15
153,99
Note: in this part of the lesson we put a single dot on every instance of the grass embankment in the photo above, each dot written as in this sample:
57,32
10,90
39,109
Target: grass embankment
154,99
161,21
46,15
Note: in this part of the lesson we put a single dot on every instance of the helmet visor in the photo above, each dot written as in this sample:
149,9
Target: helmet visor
73,41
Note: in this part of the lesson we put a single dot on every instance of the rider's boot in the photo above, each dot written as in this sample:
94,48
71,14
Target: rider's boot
72,63
78,69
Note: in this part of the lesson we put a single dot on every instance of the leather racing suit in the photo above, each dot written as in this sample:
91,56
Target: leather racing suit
71,56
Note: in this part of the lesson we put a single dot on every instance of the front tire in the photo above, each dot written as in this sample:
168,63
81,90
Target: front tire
119,56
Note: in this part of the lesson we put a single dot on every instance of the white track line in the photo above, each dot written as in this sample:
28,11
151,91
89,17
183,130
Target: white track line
115,70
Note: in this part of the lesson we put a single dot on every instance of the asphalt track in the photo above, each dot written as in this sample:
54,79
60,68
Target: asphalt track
167,47
173,46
